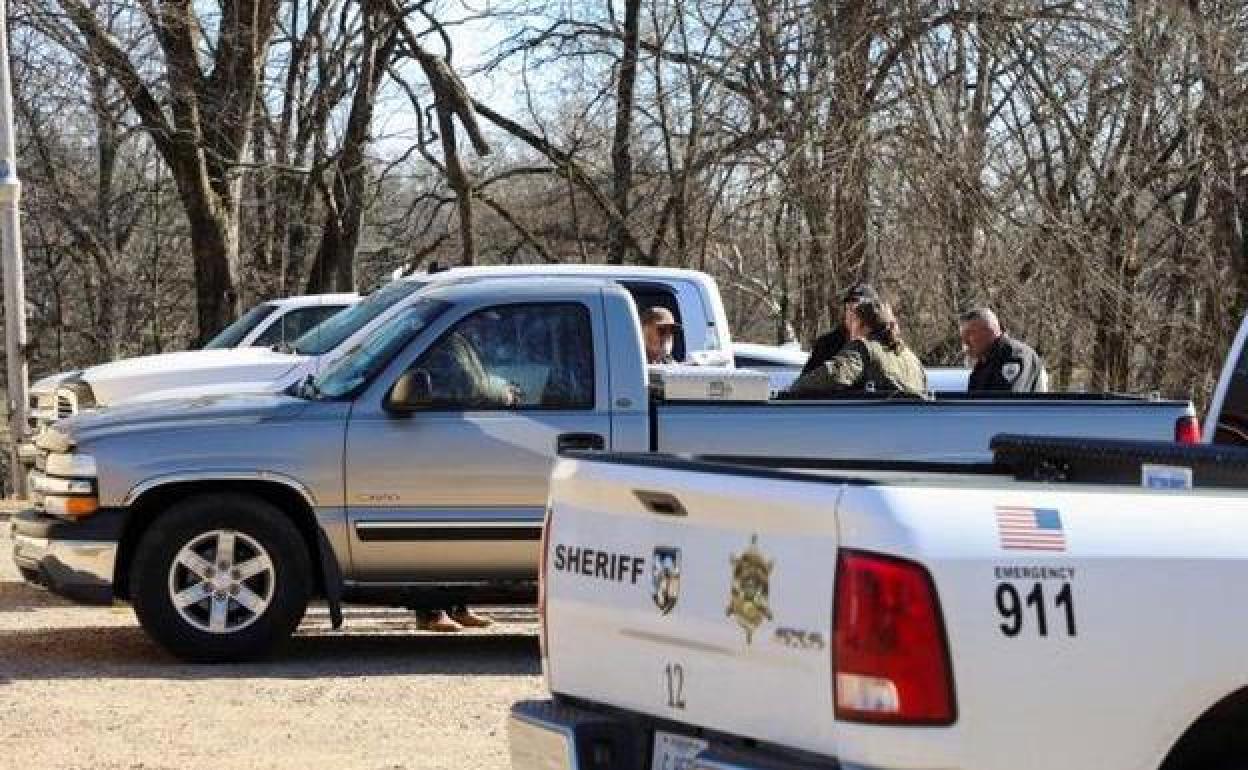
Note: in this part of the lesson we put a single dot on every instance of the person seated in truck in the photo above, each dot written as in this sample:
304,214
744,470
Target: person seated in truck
459,377
659,329
1001,362
875,359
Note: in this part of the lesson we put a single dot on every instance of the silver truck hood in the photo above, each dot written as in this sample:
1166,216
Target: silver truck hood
218,410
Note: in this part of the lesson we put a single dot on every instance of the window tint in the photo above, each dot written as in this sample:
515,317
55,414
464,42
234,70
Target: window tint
515,357
346,376
329,335
295,324
235,332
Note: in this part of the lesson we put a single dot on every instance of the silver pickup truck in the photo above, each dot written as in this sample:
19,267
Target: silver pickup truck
414,470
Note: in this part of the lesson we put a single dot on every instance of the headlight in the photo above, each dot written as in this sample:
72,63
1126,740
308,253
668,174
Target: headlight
71,498
59,464
48,485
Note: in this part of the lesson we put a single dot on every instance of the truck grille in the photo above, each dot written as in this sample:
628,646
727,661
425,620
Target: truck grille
65,406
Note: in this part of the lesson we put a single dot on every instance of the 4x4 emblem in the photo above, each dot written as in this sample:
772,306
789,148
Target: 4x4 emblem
749,603
665,578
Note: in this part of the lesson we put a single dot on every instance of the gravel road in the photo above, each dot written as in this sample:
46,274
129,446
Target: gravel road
84,688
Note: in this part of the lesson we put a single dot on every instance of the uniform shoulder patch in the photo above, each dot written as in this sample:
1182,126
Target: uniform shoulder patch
1011,370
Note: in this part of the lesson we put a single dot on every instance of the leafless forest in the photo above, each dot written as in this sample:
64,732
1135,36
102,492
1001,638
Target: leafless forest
1082,166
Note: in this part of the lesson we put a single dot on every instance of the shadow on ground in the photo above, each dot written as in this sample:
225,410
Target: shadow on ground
127,653
19,597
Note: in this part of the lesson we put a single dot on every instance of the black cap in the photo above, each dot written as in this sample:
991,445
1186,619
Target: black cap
860,292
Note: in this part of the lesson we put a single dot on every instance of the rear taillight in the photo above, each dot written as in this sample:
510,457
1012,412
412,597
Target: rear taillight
890,657
541,589
1187,430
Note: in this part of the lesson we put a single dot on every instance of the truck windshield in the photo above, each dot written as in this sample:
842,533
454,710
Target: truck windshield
230,336
325,337
351,372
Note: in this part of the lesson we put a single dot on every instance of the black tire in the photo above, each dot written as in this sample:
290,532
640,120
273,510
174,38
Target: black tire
286,586
1217,746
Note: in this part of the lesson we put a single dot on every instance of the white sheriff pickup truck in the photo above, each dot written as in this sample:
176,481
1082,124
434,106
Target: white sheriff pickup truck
1069,606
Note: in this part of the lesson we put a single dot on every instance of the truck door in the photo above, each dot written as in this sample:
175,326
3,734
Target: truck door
457,489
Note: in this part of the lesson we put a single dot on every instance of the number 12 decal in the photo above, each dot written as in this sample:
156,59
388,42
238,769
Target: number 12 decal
675,686
1015,609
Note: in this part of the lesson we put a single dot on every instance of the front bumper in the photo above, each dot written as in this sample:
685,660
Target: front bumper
75,560
544,735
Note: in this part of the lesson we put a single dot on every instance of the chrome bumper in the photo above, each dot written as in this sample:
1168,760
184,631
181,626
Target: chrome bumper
540,741
78,569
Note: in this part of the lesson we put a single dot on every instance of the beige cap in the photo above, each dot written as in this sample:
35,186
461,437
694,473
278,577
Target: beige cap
659,316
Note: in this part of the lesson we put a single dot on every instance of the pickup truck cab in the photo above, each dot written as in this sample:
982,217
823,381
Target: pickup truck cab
1063,606
414,469
692,296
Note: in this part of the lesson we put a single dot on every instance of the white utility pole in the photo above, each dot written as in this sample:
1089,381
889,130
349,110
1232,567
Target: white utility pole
11,252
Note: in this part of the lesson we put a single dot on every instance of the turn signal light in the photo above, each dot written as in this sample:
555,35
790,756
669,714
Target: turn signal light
890,655
71,507
1187,430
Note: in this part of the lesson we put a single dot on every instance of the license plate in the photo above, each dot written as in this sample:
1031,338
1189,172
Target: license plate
675,752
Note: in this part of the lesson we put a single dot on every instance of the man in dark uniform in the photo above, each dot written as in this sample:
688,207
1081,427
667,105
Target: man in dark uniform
827,346
1001,362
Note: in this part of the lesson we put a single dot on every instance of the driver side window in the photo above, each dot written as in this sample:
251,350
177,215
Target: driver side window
514,357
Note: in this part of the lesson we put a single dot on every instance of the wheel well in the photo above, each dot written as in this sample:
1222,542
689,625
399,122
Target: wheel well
1219,736
153,502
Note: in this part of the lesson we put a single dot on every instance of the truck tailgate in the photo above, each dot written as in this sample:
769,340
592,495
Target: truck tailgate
695,600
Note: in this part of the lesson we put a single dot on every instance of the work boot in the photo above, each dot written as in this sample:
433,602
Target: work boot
469,619
437,621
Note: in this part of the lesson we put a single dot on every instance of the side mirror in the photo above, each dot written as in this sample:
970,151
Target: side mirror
412,392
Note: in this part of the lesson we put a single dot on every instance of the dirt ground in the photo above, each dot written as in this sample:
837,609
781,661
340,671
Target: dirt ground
84,688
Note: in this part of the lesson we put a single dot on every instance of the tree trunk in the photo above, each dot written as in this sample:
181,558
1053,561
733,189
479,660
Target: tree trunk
622,141
848,145
334,266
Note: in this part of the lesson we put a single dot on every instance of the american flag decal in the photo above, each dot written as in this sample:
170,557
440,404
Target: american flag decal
1030,529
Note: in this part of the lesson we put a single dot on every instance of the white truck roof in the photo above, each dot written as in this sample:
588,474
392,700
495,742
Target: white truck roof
311,300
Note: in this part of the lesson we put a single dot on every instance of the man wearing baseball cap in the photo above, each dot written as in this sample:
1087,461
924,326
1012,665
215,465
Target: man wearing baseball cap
659,328
827,346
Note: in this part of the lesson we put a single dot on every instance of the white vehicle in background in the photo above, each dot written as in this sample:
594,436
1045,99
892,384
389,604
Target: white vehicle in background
244,345
783,365
692,296
279,322
948,379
